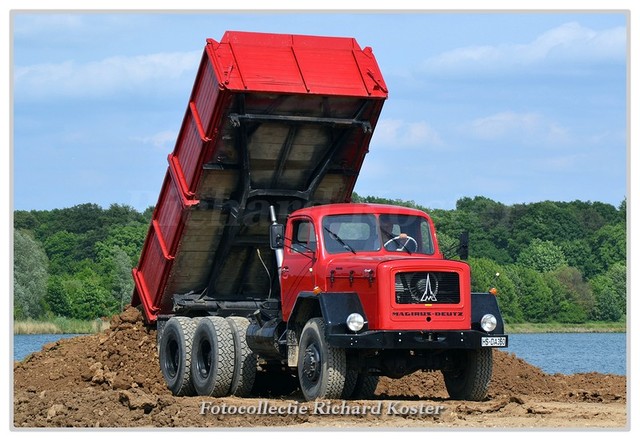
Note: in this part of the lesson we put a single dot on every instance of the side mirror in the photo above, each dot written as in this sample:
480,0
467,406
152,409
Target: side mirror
276,236
463,248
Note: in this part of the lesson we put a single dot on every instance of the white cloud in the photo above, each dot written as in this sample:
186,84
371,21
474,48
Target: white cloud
569,42
580,43
394,133
164,140
103,78
501,124
524,126
565,163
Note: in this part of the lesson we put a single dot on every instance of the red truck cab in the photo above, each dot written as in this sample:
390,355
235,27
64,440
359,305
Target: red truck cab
377,290
388,255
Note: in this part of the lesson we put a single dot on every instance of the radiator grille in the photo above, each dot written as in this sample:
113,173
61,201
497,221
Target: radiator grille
427,287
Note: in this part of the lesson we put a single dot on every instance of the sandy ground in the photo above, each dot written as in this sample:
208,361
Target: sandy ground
113,380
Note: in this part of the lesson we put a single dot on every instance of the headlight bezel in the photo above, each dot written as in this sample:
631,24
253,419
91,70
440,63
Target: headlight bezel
355,322
488,323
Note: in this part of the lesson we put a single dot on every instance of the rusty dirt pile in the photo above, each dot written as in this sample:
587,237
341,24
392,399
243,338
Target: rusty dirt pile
113,379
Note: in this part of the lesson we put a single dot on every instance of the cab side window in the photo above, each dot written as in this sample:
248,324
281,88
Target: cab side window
304,237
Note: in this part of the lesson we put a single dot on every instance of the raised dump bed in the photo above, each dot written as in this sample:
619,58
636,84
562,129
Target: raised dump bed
282,120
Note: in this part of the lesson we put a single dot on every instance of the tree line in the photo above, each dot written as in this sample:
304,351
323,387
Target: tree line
76,262
550,261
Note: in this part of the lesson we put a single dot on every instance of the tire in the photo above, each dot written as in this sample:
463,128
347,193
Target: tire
175,354
470,380
350,380
246,362
212,357
365,387
358,385
321,368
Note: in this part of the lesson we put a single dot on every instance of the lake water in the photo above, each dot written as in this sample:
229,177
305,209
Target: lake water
24,345
553,353
572,353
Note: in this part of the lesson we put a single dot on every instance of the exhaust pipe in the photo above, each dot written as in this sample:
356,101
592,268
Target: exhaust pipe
279,251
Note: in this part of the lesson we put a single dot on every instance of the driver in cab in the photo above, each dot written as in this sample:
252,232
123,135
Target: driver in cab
392,237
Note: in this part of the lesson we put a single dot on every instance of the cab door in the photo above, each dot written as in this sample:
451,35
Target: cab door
297,273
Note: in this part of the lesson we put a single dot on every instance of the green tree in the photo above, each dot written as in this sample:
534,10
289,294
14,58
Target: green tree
622,210
563,308
25,220
447,245
122,281
610,291
30,275
606,308
118,214
58,297
90,299
609,245
116,266
542,256
487,274
580,255
534,295
488,214
578,290
128,238
63,249
147,214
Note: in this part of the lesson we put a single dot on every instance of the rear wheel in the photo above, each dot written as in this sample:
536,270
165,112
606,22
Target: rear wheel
175,354
358,385
246,363
321,368
213,356
472,374
365,387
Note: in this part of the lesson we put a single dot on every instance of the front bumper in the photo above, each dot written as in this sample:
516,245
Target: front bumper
469,339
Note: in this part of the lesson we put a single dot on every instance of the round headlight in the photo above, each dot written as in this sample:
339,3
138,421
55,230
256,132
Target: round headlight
355,322
488,322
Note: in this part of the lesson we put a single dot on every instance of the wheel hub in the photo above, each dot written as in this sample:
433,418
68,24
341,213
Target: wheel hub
311,363
203,362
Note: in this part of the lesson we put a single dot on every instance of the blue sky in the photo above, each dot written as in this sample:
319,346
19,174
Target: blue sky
518,107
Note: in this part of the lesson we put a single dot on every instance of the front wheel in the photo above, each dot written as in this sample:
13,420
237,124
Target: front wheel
321,368
470,378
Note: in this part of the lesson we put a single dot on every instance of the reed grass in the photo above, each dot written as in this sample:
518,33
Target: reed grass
531,328
59,325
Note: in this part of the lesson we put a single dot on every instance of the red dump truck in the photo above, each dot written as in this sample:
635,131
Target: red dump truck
256,259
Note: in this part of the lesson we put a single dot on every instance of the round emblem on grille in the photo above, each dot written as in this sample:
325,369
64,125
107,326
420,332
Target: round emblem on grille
427,286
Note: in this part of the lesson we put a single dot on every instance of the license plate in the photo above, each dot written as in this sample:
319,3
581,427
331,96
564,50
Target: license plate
494,342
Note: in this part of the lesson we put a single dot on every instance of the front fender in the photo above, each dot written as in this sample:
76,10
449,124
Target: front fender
485,303
333,307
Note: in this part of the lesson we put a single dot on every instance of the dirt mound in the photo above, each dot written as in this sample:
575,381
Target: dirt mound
113,379
514,378
121,357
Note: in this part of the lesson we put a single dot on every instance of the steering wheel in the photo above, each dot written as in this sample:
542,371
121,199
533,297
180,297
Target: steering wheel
406,238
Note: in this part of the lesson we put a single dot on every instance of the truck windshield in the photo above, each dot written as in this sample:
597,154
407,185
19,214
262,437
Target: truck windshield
353,233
